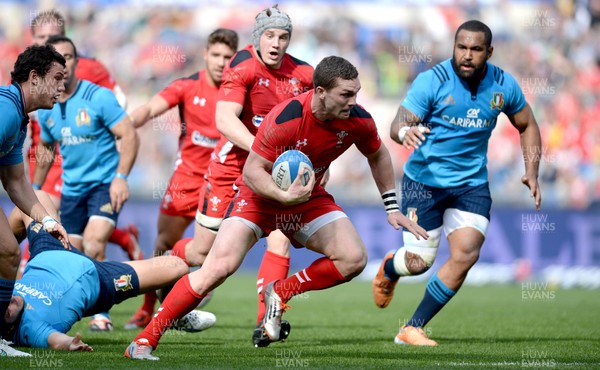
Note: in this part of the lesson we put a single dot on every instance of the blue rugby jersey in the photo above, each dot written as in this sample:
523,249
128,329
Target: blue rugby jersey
81,125
455,152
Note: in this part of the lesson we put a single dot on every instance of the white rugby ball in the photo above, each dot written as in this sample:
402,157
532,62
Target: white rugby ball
288,165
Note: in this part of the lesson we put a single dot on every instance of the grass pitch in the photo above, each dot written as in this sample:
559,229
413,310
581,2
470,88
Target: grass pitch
482,327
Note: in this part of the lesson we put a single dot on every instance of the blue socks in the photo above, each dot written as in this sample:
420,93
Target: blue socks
6,291
390,271
437,294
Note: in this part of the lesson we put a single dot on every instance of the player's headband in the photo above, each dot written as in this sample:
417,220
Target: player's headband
270,18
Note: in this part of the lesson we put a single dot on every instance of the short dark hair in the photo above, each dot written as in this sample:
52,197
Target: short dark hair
57,39
35,58
48,17
224,36
330,69
476,26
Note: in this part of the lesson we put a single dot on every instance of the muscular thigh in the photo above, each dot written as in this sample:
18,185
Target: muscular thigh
337,239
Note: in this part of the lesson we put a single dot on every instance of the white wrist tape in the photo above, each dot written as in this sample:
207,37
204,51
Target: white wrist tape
48,223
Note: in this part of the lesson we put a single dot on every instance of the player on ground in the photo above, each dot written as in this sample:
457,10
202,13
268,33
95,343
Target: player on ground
85,123
323,123
61,286
448,117
195,96
52,23
37,81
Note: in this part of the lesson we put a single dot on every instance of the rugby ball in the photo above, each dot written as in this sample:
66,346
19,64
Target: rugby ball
288,165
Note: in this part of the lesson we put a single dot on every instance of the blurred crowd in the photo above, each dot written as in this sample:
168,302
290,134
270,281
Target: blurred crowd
552,49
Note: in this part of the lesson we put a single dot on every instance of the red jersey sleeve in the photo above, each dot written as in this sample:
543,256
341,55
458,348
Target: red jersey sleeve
175,92
92,70
274,138
237,78
370,141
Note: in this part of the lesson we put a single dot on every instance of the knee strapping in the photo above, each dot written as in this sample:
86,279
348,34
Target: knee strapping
425,249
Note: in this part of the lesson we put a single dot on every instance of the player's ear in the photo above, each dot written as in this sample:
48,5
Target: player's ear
33,77
490,52
320,92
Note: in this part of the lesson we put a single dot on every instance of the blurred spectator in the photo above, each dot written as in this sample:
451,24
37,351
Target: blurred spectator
552,49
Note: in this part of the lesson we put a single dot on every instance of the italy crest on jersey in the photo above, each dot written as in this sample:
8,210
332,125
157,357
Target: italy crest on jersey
497,100
123,283
83,118
411,214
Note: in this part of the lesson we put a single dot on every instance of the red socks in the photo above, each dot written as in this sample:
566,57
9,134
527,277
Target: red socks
179,249
322,274
121,238
150,299
273,267
181,300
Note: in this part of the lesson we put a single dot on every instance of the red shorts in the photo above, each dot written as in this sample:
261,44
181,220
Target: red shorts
53,183
216,194
269,215
181,197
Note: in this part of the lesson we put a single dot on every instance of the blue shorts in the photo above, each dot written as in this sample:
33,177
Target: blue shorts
75,211
427,204
118,282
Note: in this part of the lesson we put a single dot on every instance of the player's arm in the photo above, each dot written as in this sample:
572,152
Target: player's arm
130,142
154,108
257,176
405,129
229,124
60,341
21,194
383,174
531,144
44,157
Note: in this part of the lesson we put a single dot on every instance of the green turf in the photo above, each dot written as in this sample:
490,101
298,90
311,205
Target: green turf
483,327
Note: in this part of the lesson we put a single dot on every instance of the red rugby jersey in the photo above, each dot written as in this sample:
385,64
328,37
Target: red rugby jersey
292,125
196,99
90,69
258,88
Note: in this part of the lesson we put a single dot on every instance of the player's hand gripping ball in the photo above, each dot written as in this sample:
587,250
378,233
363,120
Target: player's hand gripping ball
288,165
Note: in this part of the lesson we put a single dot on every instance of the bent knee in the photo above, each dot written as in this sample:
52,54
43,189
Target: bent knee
353,265
466,258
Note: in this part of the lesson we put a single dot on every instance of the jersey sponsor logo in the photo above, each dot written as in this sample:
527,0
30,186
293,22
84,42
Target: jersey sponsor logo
199,101
82,118
240,205
69,139
411,214
263,82
214,201
341,135
201,140
26,290
123,283
467,122
473,113
497,101
257,120
107,208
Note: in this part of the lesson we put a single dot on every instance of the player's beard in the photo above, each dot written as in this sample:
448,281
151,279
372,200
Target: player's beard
475,75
